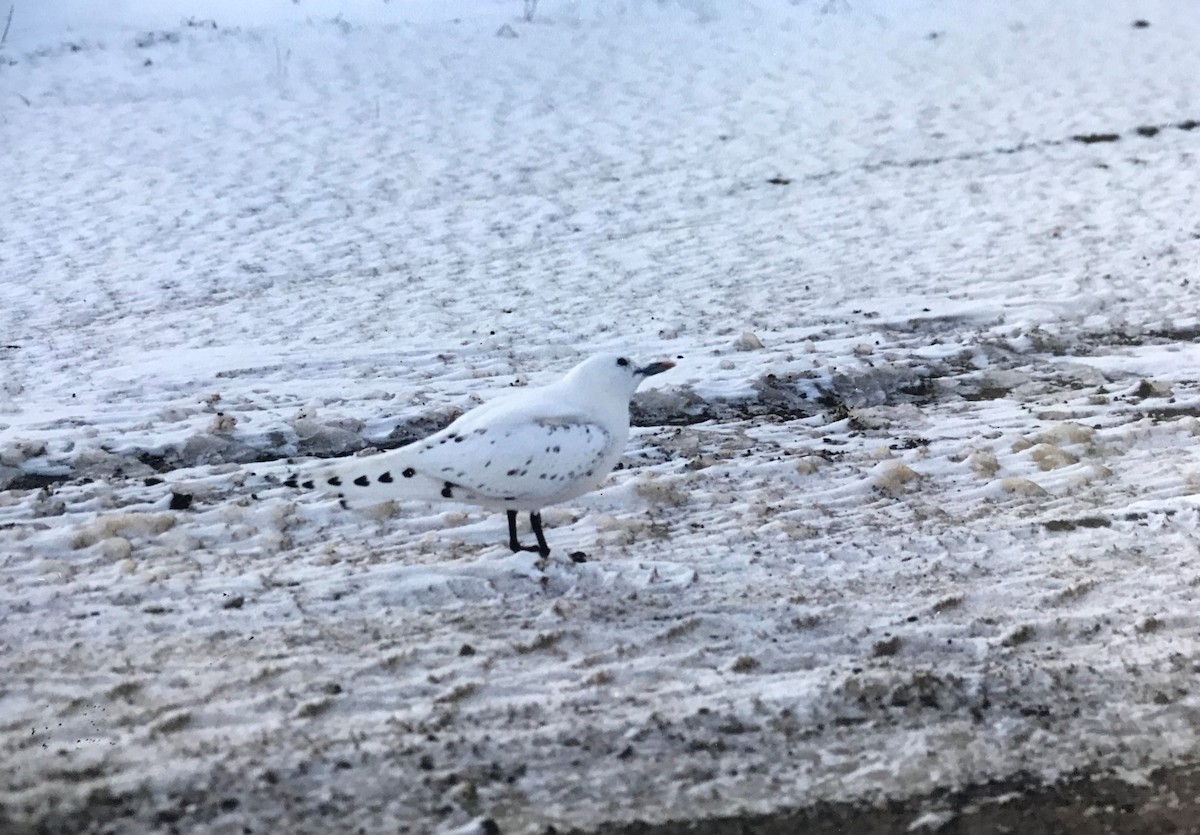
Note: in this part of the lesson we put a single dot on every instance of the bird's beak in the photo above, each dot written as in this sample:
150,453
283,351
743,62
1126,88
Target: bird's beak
655,368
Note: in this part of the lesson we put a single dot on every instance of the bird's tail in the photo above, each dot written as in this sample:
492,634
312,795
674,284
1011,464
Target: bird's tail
363,481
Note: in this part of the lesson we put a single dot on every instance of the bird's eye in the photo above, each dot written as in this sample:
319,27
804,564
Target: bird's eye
622,362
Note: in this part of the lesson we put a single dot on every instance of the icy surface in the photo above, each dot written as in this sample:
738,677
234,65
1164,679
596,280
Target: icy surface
917,508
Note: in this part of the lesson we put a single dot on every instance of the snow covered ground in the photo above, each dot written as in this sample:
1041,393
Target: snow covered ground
916,510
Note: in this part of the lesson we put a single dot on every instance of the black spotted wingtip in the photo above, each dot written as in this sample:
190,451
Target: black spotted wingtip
293,481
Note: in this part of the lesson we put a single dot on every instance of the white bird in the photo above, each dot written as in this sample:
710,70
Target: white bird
522,452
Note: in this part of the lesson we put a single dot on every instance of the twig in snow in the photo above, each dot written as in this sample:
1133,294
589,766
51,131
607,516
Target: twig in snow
8,23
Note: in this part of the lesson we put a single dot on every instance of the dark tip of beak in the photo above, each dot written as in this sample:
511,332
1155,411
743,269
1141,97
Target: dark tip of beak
655,368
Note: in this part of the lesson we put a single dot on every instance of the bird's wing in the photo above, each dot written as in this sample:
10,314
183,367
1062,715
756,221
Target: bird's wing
522,460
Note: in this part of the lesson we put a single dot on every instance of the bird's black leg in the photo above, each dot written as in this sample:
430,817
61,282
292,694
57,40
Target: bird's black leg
515,543
512,532
535,521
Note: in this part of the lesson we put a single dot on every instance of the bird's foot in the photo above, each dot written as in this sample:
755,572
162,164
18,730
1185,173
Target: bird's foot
535,519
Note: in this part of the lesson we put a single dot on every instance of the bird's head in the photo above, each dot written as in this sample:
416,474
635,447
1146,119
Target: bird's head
613,375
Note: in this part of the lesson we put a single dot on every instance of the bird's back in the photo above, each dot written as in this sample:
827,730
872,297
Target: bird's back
523,451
